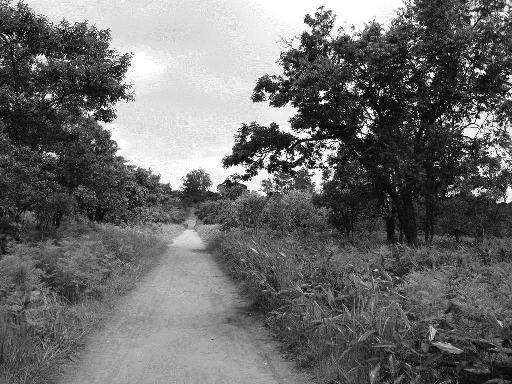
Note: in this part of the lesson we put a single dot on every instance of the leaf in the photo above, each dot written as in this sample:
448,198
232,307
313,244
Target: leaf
447,347
431,332
365,335
374,374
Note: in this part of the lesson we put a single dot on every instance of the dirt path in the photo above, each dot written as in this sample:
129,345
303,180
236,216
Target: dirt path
184,324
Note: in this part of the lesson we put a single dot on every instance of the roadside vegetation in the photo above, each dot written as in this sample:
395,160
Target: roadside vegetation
357,309
79,225
397,269
55,292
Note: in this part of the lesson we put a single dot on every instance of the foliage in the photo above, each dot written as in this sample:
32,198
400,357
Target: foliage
230,189
51,74
281,182
58,81
25,179
294,211
475,216
350,198
195,185
344,311
398,100
222,212
250,208
287,212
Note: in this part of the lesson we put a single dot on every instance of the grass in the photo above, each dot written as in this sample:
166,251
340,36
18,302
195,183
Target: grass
208,232
55,292
370,313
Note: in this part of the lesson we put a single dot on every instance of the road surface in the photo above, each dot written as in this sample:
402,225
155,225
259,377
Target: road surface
185,323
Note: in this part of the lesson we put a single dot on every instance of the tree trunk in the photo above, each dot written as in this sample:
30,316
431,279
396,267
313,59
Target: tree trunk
389,216
390,228
407,216
429,219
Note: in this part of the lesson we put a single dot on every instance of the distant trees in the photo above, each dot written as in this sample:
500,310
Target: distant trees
196,184
420,104
230,189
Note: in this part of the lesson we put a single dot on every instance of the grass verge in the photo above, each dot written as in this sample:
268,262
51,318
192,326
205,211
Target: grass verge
54,293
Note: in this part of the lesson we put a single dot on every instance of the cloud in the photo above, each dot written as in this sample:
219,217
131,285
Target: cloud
145,67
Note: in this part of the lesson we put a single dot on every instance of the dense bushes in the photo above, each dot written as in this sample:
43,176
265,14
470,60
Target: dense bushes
446,317
292,211
218,212
51,291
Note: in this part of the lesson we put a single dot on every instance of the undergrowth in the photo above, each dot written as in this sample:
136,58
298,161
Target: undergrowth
372,313
54,292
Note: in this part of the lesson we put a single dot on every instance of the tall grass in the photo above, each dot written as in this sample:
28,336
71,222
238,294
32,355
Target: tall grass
53,293
377,314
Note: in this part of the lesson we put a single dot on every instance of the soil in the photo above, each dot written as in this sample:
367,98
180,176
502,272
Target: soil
185,323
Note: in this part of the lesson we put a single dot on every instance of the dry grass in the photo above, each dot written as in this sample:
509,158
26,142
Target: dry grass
208,232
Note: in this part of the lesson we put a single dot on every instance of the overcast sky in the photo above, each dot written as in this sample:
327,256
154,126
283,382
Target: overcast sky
195,63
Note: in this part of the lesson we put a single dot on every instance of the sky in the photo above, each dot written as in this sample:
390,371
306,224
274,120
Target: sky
194,66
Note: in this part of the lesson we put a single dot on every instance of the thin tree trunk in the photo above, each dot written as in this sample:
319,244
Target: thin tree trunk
390,228
407,217
429,219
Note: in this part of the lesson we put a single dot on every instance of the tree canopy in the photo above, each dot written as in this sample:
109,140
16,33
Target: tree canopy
195,185
420,104
281,182
58,82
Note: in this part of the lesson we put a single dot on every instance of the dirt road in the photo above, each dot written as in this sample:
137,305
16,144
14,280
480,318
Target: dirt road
184,324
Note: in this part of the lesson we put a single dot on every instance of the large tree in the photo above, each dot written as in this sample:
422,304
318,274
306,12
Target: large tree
53,73
416,103
57,83
196,184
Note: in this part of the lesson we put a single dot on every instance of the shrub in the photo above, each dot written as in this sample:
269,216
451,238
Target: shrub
222,212
249,207
294,211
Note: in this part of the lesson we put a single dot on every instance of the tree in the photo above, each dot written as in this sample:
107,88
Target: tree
57,82
26,178
282,182
50,74
230,189
195,185
350,197
415,103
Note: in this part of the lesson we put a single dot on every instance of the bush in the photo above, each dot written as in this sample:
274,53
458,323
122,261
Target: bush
294,211
249,208
222,212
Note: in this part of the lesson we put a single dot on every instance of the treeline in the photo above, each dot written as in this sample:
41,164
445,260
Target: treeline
58,83
412,115
357,309
349,206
